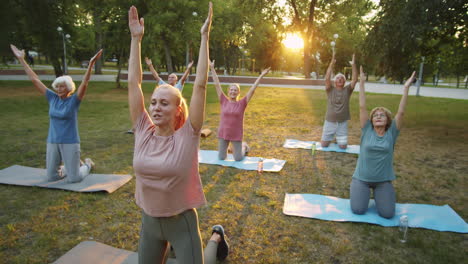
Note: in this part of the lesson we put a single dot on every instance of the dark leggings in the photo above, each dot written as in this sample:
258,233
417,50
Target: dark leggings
384,195
181,231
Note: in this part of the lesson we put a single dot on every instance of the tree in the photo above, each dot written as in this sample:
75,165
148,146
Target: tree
317,21
169,26
41,21
303,22
403,31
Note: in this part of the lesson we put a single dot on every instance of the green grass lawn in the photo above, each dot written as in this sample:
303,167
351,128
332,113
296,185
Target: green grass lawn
431,161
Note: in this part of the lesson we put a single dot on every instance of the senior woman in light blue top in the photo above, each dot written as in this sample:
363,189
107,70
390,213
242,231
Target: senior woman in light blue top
374,168
63,140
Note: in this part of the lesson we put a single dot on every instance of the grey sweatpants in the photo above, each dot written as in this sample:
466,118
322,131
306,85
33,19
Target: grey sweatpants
238,152
70,155
181,231
384,196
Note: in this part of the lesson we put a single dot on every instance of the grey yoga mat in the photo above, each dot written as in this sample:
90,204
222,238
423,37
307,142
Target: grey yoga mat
98,253
27,176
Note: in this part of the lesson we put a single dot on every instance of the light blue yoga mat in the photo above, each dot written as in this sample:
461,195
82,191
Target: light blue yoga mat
248,163
439,218
294,143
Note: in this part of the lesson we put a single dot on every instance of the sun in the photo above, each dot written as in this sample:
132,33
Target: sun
293,41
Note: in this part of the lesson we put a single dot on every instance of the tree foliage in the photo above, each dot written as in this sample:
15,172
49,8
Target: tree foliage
317,22
390,44
404,31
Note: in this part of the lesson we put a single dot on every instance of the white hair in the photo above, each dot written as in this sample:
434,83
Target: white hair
67,80
340,75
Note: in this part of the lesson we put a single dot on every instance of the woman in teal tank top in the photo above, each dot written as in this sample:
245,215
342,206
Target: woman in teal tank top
374,169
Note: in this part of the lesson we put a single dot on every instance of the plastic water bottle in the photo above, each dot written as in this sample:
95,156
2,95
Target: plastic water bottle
314,147
260,166
403,228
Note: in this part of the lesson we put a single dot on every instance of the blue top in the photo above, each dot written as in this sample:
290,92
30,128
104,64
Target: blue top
63,113
178,84
375,162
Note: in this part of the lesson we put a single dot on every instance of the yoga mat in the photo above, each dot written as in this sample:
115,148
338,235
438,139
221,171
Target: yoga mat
98,253
294,143
439,218
248,163
27,176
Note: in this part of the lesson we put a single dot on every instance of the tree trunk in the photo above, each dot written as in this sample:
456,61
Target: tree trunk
98,39
167,52
119,67
306,27
57,66
306,57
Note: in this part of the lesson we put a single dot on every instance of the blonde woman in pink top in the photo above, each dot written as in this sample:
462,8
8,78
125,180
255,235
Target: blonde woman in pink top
168,185
231,123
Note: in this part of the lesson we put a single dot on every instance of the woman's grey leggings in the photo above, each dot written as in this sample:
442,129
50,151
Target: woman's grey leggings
384,196
181,231
238,152
70,155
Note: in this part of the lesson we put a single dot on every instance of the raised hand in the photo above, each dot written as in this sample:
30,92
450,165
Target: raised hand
205,29
190,65
93,60
265,71
352,61
18,53
148,61
136,26
212,63
410,80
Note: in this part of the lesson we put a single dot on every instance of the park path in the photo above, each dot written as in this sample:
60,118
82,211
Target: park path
274,82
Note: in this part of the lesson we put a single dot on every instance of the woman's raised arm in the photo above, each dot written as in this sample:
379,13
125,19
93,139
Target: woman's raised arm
219,90
84,83
404,98
197,103
152,70
328,74
363,115
354,74
135,95
251,91
186,73
19,54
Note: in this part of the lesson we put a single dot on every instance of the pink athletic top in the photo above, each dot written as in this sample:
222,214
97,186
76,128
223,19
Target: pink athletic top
231,123
166,169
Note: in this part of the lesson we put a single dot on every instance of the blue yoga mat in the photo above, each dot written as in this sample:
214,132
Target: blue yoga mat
439,218
294,143
248,163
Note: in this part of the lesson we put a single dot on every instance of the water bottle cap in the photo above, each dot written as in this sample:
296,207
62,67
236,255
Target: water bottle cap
404,218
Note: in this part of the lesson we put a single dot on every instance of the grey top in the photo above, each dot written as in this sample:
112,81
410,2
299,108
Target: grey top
338,104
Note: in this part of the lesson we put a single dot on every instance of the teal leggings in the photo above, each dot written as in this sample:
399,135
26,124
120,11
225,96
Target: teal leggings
181,231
